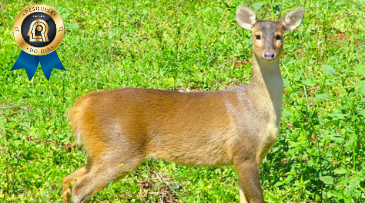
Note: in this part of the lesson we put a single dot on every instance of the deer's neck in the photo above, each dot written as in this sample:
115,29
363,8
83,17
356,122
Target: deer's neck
267,85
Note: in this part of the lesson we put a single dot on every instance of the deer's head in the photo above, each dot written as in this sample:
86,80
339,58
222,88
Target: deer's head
268,35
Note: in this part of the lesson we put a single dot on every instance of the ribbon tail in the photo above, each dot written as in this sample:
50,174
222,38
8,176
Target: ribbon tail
27,61
50,61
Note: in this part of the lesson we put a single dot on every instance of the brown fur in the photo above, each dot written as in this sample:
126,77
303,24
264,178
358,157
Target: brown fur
120,128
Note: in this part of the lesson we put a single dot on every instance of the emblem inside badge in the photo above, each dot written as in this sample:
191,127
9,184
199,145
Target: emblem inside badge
40,26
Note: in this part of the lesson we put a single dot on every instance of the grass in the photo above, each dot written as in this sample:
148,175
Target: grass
189,46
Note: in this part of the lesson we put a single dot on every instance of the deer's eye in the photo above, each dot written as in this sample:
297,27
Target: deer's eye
258,37
278,37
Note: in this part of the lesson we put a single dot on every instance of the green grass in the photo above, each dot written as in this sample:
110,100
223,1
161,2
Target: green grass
189,45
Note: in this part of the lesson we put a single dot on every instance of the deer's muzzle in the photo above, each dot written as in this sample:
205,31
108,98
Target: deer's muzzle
269,55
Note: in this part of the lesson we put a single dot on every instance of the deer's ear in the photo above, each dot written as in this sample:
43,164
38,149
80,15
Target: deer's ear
293,19
245,17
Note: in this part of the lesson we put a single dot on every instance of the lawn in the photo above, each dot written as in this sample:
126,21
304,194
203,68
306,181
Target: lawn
189,46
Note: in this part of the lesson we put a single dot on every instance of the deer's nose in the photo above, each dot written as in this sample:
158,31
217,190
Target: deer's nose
269,55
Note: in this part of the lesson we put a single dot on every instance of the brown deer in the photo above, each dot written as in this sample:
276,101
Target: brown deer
121,128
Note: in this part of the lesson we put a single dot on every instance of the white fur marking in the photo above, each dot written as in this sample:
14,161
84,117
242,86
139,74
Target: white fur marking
78,136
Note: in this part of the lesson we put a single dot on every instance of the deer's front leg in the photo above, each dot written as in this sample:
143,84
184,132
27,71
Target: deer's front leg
242,194
248,173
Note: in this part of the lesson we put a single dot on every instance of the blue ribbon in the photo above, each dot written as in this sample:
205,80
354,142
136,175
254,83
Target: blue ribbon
30,63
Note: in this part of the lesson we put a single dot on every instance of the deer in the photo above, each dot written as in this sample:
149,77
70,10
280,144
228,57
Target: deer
120,128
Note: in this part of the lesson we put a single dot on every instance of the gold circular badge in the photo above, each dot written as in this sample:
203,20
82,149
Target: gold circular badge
38,29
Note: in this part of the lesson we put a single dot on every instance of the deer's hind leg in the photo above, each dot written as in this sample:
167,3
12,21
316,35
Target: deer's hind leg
110,166
66,190
107,168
